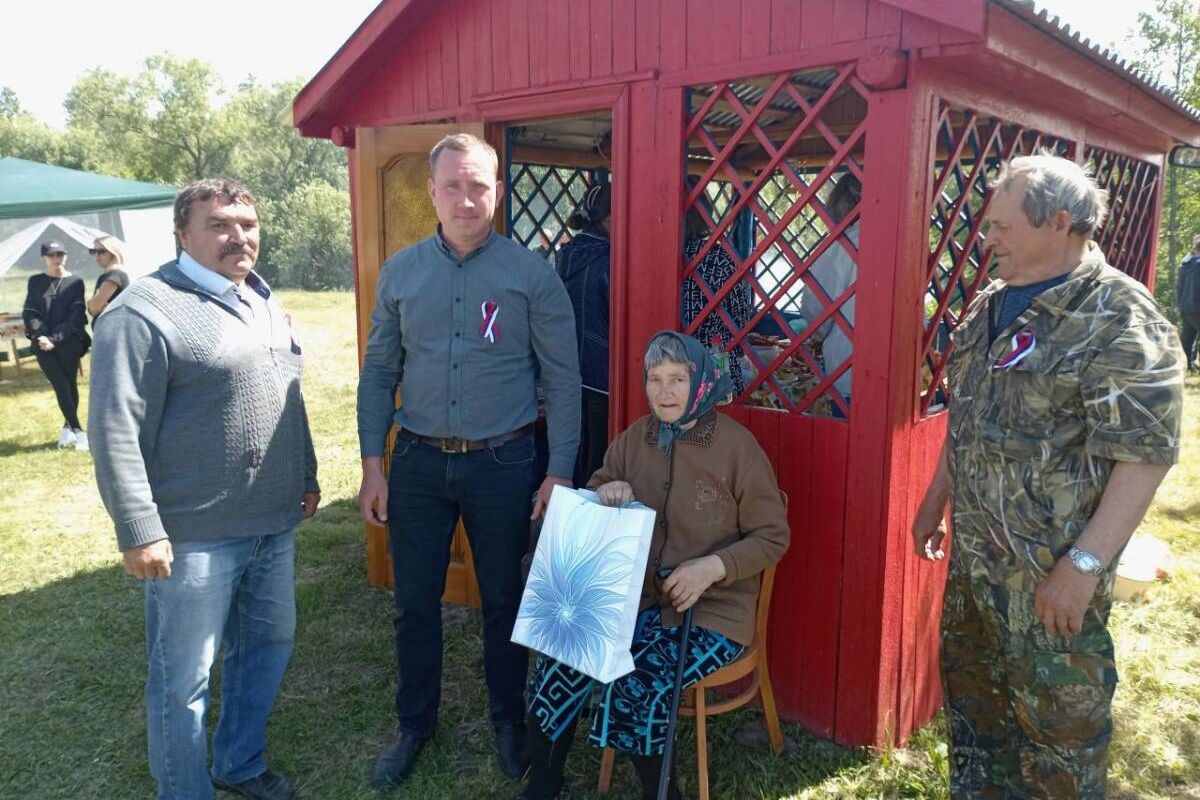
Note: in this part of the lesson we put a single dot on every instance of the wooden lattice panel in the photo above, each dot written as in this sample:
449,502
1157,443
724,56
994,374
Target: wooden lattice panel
1126,238
970,149
763,156
541,198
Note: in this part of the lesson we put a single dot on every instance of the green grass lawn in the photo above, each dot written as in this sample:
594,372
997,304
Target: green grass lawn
72,663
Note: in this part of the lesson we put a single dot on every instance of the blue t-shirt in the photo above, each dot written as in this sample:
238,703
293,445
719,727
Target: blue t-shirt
1016,300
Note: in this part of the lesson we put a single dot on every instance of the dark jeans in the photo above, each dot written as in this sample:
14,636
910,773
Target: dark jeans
492,490
1190,322
593,439
61,368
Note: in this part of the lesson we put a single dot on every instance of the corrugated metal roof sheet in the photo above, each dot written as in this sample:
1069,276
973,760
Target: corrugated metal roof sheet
1054,25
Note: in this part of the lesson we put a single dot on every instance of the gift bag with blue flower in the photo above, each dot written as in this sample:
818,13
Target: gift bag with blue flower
581,599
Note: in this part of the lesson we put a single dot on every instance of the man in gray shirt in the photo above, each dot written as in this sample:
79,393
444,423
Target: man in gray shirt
463,323
205,464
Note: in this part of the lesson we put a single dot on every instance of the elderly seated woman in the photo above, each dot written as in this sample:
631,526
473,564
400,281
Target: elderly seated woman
721,522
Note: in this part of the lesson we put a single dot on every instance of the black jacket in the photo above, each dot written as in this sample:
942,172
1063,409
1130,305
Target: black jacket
1189,285
583,265
55,308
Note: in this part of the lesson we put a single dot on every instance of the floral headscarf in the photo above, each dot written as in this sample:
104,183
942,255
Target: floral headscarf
712,385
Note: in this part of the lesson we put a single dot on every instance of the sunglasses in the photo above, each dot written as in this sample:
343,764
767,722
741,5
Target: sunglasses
96,250
56,255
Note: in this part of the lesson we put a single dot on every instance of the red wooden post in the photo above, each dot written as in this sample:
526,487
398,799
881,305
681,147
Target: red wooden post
648,288
867,662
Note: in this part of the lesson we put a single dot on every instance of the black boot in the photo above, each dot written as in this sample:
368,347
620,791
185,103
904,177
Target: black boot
648,769
547,761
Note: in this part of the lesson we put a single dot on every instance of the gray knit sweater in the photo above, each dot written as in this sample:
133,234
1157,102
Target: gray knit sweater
198,428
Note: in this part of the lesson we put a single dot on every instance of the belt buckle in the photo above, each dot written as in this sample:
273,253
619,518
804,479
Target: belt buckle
453,444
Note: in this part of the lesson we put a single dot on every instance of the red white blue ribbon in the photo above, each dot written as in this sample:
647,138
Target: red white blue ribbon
489,330
1022,344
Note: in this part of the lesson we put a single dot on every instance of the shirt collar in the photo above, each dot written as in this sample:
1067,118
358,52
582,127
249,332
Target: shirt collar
448,251
214,282
207,279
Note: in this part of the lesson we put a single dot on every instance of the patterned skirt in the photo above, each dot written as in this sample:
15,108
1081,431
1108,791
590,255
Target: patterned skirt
630,714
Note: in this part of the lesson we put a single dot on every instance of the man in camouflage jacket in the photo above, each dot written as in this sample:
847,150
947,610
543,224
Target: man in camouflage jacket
1066,395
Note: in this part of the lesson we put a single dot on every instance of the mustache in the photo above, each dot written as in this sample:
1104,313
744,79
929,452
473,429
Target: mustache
235,249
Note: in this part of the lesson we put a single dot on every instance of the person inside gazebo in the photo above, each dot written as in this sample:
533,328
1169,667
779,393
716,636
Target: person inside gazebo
715,270
726,524
583,265
835,271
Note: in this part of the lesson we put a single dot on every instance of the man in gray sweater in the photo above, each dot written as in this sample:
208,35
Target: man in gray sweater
206,465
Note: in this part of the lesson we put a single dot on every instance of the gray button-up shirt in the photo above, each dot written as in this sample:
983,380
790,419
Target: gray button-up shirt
464,339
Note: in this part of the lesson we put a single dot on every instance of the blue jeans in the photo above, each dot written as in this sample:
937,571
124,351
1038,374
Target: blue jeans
428,490
241,592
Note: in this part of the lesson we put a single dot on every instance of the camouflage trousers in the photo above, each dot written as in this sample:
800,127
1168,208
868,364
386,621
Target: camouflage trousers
1030,714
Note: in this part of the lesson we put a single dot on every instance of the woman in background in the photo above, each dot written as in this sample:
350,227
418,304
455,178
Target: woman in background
56,326
110,257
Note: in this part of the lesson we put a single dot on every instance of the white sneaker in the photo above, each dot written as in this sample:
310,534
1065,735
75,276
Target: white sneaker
66,438
81,442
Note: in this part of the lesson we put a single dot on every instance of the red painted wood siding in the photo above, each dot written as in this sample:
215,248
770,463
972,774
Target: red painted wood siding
474,49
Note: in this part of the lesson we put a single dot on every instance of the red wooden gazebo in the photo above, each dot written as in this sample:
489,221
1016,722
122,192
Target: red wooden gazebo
749,112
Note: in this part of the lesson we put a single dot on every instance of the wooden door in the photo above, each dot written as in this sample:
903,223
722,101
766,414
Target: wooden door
392,211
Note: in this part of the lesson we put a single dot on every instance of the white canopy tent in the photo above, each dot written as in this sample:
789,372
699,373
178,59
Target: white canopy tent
146,234
39,202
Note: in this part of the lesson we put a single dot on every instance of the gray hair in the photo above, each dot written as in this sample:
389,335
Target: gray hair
1056,184
463,143
665,347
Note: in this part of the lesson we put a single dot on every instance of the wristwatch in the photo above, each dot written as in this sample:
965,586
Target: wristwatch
1085,562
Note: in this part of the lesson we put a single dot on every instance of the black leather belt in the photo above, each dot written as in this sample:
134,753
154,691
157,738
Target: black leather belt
453,444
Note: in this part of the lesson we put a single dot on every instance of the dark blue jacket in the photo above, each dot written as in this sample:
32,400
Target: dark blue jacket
583,265
1189,285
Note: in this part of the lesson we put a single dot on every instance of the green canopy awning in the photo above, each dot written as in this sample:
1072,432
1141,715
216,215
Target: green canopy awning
30,189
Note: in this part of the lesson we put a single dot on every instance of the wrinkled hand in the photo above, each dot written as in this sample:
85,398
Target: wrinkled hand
1062,598
309,503
373,498
615,493
691,579
542,498
150,561
928,536
44,343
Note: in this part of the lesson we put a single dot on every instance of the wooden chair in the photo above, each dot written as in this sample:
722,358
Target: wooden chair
753,665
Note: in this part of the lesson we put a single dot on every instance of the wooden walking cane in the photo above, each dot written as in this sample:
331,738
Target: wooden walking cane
664,777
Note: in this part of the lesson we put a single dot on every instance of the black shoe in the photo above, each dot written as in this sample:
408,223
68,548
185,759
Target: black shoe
649,770
563,794
268,786
512,751
396,761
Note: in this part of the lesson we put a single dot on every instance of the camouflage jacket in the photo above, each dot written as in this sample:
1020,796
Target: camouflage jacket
1089,375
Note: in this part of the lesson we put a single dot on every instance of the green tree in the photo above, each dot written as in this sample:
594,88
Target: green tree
165,124
21,135
312,234
272,158
10,106
1171,41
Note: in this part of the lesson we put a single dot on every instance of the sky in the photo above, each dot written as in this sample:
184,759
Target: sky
51,43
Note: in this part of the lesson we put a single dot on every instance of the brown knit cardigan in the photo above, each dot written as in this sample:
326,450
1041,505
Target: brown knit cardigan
715,494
